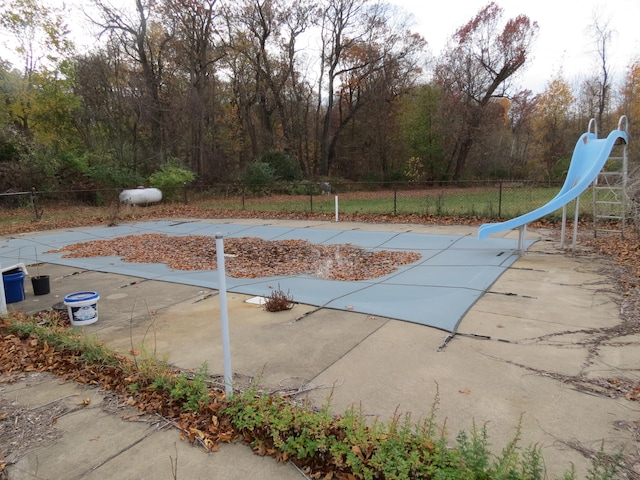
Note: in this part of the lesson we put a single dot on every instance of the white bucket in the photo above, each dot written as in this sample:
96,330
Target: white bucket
82,307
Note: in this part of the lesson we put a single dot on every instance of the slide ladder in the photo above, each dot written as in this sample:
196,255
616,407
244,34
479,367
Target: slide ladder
610,204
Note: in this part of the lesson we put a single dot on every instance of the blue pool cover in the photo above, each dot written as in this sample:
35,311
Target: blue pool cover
437,290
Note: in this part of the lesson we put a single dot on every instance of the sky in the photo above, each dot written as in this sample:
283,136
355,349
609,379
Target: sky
564,43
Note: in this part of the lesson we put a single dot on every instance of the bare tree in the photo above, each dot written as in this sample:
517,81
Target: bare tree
601,85
523,107
264,44
361,50
197,48
144,42
477,67
341,28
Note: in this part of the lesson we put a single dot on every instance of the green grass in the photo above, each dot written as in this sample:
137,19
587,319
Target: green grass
472,202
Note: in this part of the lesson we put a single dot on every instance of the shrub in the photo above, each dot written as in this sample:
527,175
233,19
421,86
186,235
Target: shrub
258,175
284,167
108,176
170,178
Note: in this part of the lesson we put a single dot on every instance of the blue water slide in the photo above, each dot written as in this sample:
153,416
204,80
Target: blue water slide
589,157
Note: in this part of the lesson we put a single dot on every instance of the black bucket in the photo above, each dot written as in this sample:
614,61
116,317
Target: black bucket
40,285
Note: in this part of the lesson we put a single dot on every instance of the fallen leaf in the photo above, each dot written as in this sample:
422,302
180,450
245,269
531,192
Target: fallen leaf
633,394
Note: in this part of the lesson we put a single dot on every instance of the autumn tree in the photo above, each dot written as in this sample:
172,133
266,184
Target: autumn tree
551,128
521,113
269,90
630,105
422,132
39,38
477,67
109,118
39,33
39,104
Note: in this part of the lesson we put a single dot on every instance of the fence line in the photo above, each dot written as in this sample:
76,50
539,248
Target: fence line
491,200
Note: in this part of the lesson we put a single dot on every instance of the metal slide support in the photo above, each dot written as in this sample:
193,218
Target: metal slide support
575,225
564,225
522,239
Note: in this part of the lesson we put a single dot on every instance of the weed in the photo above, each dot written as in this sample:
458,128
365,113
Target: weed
192,391
604,466
151,370
278,301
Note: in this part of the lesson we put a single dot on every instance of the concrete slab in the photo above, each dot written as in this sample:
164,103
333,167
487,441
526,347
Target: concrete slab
95,443
270,347
519,354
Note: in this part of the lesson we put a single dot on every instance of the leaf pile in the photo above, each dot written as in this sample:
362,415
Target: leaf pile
247,257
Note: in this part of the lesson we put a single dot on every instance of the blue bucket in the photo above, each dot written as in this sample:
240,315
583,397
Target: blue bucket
82,307
13,281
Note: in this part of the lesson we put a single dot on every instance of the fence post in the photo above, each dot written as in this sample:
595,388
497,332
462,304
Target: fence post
242,197
311,198
184,192
395,199
34,203
500,201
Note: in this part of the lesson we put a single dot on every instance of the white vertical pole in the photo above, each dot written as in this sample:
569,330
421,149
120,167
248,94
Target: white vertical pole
3,299
575,225
336,208
564,225
224,316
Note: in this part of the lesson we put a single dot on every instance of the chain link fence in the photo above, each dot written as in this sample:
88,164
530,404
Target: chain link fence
496,200
490,200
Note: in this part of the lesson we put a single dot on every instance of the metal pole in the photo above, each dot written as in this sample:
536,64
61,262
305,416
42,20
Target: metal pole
575,225
395,199
336,208
224,316
3,300
564,225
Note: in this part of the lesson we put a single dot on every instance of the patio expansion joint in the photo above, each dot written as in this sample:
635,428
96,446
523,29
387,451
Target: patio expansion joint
117,454
347,352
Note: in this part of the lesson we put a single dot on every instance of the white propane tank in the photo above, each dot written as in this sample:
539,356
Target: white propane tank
140,196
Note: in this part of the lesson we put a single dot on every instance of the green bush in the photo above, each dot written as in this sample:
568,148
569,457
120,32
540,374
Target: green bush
107,176
170,178
284,167
258,176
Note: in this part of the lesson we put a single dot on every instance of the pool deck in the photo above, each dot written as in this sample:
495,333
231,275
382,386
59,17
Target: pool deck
517,355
